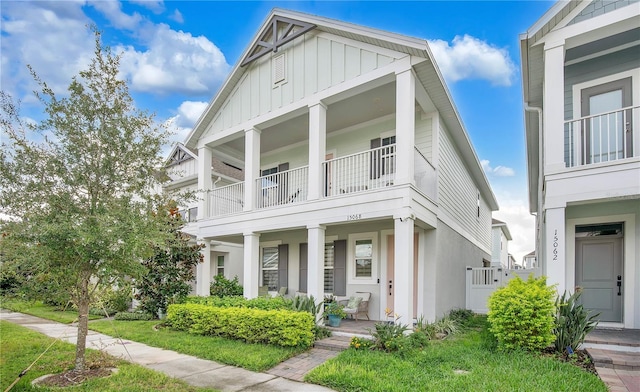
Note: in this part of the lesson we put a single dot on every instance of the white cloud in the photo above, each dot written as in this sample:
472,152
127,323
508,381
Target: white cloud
50,36
157,6
112,10
187,114
174,61
498,171
177,16
515,213
471,58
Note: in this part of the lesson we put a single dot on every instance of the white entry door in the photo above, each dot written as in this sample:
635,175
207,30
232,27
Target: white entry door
599,274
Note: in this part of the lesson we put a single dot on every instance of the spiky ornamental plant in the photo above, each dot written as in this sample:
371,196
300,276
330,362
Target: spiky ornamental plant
82,194
572,322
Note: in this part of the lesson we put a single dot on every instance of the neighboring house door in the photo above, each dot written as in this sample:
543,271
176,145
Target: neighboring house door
607,134
390,273
599,272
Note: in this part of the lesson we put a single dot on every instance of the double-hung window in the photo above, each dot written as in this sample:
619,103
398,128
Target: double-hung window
329,262
270,267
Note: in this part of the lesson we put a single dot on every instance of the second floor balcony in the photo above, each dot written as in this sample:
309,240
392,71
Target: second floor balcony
365,171
604,137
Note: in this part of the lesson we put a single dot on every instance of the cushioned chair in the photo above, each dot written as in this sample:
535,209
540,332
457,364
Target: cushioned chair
357,304
282,291
263,291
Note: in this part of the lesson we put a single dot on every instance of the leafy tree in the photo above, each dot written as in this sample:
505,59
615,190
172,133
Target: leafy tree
79,184
223,287
169,270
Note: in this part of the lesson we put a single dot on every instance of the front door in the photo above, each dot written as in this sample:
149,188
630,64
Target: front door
390,273
599,270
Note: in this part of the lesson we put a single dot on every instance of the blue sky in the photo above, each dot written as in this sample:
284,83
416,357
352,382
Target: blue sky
177,54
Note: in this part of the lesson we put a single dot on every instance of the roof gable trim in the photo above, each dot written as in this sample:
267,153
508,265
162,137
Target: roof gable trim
270,40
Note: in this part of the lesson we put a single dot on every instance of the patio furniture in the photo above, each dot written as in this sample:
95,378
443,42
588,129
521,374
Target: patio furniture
282,291
357,304
263,291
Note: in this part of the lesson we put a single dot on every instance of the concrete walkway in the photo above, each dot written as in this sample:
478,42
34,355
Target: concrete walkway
194,371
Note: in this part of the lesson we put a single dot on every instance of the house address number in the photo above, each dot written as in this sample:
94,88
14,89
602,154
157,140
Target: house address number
354,217
555,245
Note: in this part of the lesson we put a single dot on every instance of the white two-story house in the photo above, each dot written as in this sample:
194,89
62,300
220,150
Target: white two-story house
500,237
581,80
357,172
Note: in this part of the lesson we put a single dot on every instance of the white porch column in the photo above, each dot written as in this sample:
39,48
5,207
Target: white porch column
317,148
251,278
204,181
251,167
554,253
403,268
553,114
405,126
203,270
315,262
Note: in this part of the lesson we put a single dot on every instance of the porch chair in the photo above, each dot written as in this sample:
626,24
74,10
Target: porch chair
263,291
357,304
282,291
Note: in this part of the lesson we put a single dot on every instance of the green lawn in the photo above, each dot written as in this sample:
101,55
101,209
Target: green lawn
256,357
37,308
459,364
21,346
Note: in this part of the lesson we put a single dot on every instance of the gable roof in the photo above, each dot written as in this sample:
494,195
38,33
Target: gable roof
179,153
502,226
427,72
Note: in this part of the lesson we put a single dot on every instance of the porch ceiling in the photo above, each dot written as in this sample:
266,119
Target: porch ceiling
374,103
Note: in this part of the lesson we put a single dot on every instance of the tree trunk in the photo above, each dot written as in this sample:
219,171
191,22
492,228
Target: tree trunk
83,319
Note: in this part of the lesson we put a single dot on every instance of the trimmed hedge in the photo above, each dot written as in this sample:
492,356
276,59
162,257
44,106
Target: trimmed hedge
132,316
264,303
278,327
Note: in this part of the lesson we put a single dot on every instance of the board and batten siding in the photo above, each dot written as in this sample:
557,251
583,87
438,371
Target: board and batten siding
610,64
183,169
458,194
314,62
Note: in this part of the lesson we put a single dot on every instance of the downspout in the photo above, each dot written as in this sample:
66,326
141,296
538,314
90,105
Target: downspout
539,213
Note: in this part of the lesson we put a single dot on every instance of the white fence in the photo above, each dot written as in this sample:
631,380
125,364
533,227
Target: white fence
483,281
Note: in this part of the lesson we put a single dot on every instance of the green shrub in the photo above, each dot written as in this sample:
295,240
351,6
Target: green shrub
223,287
360,343
521,314
264,303
278,327
461,316
572,322
101,312
306,304
389,336
132,316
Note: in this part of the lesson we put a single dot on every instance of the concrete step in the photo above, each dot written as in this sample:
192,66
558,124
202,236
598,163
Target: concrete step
333,343
621,360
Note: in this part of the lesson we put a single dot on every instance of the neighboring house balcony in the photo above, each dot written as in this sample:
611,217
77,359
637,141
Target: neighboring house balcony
360,172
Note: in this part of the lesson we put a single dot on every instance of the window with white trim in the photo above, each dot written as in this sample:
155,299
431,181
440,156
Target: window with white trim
328,267
220,265
270,267
363,258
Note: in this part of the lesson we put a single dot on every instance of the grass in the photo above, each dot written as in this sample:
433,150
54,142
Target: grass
256,357
21,346
462,363
37,308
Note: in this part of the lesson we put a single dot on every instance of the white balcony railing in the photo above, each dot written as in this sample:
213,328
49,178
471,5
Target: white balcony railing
358,172
602,138
226,200
286,187
424,175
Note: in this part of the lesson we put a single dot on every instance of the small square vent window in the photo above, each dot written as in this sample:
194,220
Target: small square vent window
279,69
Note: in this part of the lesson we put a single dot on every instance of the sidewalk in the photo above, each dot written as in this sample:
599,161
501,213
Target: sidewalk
194,371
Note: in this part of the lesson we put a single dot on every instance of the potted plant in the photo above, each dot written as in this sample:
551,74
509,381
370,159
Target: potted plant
334,312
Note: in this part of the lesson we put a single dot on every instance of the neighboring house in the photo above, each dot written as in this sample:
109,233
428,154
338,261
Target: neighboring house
529,260
581,80
182,168
358,175
512,263
500,237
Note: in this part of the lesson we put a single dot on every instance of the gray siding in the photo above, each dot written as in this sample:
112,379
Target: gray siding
598,67
600,7
458,194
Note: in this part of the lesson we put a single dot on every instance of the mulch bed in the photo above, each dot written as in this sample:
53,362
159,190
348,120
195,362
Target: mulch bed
579,358
73,377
